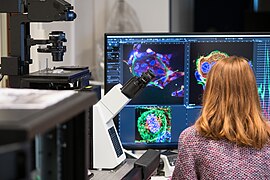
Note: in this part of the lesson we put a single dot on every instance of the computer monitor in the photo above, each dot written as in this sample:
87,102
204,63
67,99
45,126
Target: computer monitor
172,101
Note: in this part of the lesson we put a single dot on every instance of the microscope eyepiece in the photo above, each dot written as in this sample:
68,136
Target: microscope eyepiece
147,76
134,85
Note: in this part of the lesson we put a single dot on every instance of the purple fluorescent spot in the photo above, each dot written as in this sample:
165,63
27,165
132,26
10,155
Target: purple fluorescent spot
152,123
173,78
136,67
137,46
179,93
144,65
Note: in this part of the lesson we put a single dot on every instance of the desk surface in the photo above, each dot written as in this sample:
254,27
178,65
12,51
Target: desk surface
20,125
119,172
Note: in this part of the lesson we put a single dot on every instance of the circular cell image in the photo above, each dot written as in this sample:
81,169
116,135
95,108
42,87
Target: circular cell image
154,124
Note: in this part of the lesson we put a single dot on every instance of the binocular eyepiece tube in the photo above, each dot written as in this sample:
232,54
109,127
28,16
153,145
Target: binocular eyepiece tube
134,85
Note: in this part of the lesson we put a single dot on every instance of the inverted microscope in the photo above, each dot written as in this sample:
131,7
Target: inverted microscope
20,13
16,65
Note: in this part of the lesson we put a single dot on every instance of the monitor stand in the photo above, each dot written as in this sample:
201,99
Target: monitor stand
168,158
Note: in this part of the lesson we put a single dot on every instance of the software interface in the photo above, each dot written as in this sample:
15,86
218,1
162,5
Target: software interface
172,101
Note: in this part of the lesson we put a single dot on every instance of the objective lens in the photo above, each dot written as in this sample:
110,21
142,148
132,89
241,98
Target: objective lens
57,56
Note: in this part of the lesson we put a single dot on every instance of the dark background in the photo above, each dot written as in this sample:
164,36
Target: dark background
219,16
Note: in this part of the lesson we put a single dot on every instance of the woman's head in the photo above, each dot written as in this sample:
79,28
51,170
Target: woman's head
231,84
231,106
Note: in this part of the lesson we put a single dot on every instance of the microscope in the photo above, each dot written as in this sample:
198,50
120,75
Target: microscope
107,149
16,65
20,13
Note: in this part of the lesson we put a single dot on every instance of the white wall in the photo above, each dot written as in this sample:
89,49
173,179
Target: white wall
85,34
3,42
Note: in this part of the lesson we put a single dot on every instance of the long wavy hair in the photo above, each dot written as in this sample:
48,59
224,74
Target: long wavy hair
231,106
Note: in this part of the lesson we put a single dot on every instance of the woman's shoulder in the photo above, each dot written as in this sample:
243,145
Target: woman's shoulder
189,131
190,140
189,134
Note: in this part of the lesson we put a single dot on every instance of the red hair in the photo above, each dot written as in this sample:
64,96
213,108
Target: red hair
231,105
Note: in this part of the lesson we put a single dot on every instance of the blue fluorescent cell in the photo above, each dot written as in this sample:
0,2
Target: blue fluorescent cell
163,78
153,62
136,67
205,67
160,71
144,65
198,76
153,124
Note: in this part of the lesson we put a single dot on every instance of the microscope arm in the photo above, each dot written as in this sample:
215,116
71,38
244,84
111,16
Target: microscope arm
119,96
108,107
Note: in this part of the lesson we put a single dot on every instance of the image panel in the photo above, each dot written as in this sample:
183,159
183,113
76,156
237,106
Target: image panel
153,124
262,76
167,63
204,55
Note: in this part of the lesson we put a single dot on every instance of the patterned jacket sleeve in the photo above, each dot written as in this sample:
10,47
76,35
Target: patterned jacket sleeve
185,164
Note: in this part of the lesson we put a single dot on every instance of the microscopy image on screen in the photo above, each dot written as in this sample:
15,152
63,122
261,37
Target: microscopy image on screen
203,56
167,63
153,124
262,77
204,64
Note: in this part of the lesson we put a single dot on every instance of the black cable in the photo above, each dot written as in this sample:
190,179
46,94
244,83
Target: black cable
1,75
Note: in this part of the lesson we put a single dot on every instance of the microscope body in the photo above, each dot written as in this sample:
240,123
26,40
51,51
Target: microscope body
20,14
107,150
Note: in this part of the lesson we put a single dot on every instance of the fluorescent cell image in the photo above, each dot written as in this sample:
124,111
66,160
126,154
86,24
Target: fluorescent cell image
204,64
203,56
166,61
263,81
140,61
179,93
153,124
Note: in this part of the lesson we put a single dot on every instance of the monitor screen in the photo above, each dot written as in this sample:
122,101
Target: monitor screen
172,101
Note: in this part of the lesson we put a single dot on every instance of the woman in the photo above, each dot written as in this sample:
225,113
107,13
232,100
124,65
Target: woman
230,139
